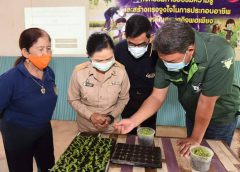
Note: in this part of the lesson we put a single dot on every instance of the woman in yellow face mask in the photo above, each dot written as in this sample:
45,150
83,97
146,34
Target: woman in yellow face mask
27,103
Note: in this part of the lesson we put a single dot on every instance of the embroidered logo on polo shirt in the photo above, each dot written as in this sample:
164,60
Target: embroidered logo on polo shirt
227,63
197,87
150,75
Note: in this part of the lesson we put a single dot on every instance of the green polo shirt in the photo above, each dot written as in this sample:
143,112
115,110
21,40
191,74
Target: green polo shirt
211,72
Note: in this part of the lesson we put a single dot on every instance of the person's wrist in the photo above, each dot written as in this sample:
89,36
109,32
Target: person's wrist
111,118
133,122
91,117
196,139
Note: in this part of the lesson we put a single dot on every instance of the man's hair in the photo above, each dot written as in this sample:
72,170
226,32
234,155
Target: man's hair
173,37
121,20
136,25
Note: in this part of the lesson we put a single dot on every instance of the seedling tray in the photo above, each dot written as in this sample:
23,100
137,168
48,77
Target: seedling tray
86,153
137,155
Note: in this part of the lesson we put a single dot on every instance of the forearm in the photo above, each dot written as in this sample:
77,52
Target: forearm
81,109
203,116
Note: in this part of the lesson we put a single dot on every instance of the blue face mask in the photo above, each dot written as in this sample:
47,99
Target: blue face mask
175,67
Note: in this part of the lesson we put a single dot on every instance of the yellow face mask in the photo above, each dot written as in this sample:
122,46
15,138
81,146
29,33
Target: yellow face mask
41,62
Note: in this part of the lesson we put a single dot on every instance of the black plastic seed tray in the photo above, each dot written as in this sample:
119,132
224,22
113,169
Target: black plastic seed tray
137,155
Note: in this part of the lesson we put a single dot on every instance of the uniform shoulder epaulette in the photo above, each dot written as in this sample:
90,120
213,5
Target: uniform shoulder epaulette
119,65
82,66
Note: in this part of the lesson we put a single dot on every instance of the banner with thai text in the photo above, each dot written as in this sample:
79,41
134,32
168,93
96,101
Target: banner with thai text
221,17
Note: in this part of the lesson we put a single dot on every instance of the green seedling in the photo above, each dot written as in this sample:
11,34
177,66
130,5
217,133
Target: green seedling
145,131
89,154
201,152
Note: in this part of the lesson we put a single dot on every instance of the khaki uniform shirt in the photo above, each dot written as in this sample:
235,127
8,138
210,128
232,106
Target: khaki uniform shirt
88,95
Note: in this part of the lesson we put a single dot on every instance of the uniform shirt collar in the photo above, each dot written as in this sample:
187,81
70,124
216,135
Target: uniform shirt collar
22,68
201,54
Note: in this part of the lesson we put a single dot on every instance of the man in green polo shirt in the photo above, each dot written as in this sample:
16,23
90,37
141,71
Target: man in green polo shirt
201,65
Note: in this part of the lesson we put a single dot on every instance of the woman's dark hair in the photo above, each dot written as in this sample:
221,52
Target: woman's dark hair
174,37
136,25
29,37
229,21
121,20
97,42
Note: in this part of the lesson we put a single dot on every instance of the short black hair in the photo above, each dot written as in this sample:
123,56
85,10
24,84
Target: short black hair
97,42
136,25
174,37
229,21
121,20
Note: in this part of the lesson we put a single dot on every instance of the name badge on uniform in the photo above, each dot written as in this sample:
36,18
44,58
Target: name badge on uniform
88,84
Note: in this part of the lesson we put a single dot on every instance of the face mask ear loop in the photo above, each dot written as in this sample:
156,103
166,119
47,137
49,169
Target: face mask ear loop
151,50
184,58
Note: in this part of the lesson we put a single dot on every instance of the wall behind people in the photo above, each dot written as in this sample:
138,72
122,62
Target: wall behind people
12,24
171,113
12,20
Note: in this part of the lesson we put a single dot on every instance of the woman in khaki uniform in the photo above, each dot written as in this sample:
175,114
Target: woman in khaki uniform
98,89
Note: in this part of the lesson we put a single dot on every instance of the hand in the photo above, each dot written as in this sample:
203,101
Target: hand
185,144
124,126
99,120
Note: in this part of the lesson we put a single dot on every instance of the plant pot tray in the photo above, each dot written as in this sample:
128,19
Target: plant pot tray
86,153
137,155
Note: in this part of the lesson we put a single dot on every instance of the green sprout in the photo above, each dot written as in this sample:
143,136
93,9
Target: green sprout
89,154
145,131
201,152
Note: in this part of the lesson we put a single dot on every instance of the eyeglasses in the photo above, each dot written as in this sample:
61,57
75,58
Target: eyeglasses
42,48
144,44
103,61
173,61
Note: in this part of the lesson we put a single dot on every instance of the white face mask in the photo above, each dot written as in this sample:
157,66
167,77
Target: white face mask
103,66
175,66
137,52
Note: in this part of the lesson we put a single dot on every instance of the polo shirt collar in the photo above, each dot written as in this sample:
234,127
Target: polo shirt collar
21,67
201,54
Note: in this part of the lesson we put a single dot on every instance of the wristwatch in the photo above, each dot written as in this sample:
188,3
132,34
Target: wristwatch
111,118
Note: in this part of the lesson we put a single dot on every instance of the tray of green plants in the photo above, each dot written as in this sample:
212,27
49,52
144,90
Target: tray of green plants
86,153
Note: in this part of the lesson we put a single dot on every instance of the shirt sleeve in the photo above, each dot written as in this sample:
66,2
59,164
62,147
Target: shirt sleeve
74,97
219,76
160,80
6,90
123,97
